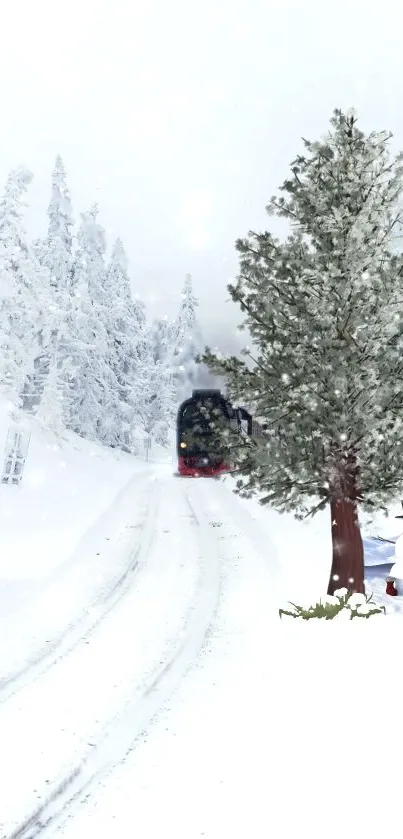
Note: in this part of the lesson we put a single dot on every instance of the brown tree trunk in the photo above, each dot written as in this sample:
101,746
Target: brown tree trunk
348,553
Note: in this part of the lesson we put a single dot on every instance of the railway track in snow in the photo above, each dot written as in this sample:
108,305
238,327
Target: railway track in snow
119,737
97,610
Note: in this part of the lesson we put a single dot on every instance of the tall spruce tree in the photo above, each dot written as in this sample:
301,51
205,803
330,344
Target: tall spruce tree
187,343
324,311
124,321
56,255
59,243
158,390
157,400
92,383
21,320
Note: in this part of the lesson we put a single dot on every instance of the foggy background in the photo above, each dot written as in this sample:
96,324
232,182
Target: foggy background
181,118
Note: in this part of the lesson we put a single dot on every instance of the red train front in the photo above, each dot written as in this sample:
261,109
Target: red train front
200,447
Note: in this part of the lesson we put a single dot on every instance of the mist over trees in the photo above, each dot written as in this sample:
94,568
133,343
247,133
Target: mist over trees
77,348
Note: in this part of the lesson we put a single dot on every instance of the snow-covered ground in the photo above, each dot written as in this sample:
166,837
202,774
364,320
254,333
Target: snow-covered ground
64,539
149,687
304,548
68,483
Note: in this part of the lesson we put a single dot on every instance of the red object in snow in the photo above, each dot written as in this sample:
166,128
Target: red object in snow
390,587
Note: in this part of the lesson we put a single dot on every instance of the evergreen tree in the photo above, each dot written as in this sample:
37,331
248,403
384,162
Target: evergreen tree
157,400
51,407
161,337
324,310
124,321
154,391
92,380
187,343
56,255
20,315
59,244
44,320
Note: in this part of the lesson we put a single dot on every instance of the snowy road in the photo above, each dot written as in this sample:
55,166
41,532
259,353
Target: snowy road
45,617
175,707
241,748
80,718
230,620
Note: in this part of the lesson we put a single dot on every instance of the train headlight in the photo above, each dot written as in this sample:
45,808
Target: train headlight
183,445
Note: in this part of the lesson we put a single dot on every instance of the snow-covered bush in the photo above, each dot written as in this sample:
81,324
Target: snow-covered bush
351,605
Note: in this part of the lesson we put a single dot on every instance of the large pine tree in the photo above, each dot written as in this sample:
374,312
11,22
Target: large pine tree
324,311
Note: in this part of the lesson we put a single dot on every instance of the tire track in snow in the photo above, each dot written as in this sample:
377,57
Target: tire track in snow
158,790
237,550
98,610
121,735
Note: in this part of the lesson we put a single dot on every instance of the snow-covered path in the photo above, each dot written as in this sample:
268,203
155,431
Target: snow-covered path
82,714
190,710
48,616
181,761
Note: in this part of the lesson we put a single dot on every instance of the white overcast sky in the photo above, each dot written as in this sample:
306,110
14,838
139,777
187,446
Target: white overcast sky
180,117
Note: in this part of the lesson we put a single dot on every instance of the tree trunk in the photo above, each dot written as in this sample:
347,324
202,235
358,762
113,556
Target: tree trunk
348,553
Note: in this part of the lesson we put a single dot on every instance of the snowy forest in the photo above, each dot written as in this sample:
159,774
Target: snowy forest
77,348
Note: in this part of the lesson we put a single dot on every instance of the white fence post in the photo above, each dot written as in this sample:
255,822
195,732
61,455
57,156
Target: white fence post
15,454
147,446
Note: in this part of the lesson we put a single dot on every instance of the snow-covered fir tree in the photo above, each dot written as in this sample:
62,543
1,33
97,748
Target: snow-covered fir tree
59,251
46,321
161,337
324,309
153,388
157,399
56,255
125,325
92,382
51,407
110,343
21,320
187,343
76,346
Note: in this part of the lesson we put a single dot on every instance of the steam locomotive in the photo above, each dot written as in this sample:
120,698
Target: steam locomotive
202,423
